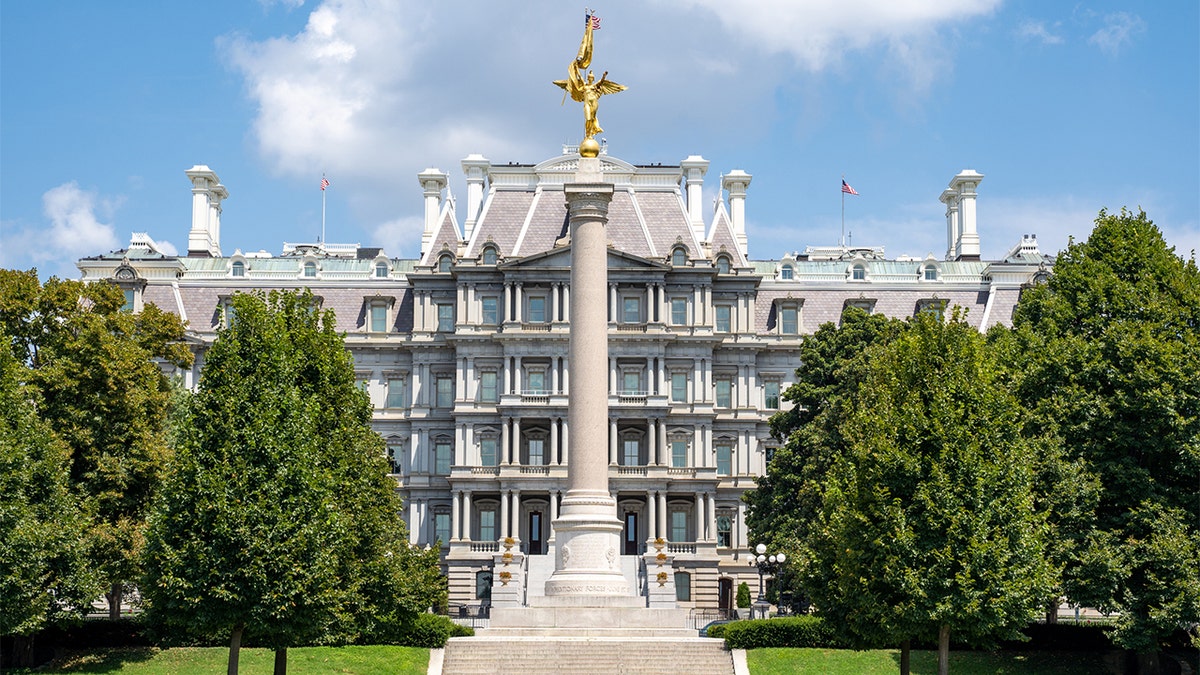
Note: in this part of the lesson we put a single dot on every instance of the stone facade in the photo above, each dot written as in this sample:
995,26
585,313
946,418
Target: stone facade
463,351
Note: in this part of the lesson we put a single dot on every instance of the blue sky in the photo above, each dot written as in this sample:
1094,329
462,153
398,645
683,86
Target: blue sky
1066,108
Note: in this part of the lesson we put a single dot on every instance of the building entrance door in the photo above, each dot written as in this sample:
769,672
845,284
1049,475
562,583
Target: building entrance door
631,533
535,533
725,594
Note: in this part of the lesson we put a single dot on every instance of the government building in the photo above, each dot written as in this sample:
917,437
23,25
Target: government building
463,350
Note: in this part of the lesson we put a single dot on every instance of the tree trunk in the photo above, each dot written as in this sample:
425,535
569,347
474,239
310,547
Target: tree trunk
115,596
22,653
944,649
281,661
905,653
235,648
1052,612
1147,663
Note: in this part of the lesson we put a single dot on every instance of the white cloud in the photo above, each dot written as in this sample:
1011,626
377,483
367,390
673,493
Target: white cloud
1120,28
1038,32
166,247
75,228
397,236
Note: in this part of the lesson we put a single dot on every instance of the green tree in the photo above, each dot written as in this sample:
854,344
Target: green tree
788,498
928,524
94,367
43,573
277,518
1114,374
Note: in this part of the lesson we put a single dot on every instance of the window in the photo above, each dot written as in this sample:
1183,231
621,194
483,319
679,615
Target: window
490,316
679,453
631,310
724,531
786,272
488,390
487,524
441,527
724,393
935,308
771,395
441,457
722,264
483,584
679,257
631,452
130,297
445,391
310,269
931,273
537,451
489,255
228,313
537,309
487,451
445,318
867,306
535,383
239,268
679,384
395,393
678,311
381,270
395,455
378,317
444,263
683,587
789,320
858,273
631,383
679,525
724,460
723,318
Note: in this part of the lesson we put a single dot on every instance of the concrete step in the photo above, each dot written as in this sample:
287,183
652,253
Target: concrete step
591,656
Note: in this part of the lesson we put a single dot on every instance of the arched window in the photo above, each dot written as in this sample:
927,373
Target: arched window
489,255
310,269
444,264
931,273
785,272
858,273
381,270
239,268
679,257
722,264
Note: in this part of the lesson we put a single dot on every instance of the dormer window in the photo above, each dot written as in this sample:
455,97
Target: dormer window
238,269
722,264
490,255
930,273
679,257
310,270
444,263
786,272
858,272
381,270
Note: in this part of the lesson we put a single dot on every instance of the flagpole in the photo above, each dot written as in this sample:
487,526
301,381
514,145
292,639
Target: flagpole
843,239
323,209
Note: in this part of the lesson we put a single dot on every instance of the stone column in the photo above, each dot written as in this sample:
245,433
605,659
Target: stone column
587,530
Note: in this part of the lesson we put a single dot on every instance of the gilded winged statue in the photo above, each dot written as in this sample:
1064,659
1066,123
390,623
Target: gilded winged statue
588,91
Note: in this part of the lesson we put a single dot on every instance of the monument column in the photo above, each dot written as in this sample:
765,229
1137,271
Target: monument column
587,530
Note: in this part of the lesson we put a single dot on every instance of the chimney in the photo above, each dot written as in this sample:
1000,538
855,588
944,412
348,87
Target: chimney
475,167
693,170
968,234
736,182
433,181
950,199
204,239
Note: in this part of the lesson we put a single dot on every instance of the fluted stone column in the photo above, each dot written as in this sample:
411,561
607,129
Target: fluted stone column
587,563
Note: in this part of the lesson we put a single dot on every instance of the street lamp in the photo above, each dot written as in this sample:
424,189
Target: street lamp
764,562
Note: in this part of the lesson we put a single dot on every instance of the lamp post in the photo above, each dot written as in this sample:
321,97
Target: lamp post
764,562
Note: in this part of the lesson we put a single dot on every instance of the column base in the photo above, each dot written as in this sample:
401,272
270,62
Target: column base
587,560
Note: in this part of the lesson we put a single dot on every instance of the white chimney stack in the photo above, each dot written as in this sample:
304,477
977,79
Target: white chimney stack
965,184
204,239
693,169
475,167
950,199
433,181
736,182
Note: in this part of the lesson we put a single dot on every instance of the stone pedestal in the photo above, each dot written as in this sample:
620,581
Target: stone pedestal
508,577
660,576
587,532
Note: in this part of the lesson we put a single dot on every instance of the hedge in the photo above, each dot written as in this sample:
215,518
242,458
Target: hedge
431,631
794,631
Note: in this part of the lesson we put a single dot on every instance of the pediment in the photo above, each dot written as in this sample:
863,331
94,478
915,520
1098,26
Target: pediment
560,258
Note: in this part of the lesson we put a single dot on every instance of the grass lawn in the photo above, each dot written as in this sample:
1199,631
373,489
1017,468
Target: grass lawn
883,661
375,660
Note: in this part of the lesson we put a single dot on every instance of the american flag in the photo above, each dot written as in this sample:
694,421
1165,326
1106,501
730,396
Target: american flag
847,189
324,183
595,21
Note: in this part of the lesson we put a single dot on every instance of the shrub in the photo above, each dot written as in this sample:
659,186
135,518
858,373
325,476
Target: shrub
797,631
431,631
743,595
717,630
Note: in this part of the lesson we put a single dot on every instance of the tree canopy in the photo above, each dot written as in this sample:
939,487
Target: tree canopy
277,518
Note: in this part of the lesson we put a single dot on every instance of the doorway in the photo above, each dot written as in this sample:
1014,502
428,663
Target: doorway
631,534
725,594
536,545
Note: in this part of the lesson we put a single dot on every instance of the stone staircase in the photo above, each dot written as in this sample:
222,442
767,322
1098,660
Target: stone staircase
544,655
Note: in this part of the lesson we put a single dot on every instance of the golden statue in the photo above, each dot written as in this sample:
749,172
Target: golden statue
588,91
